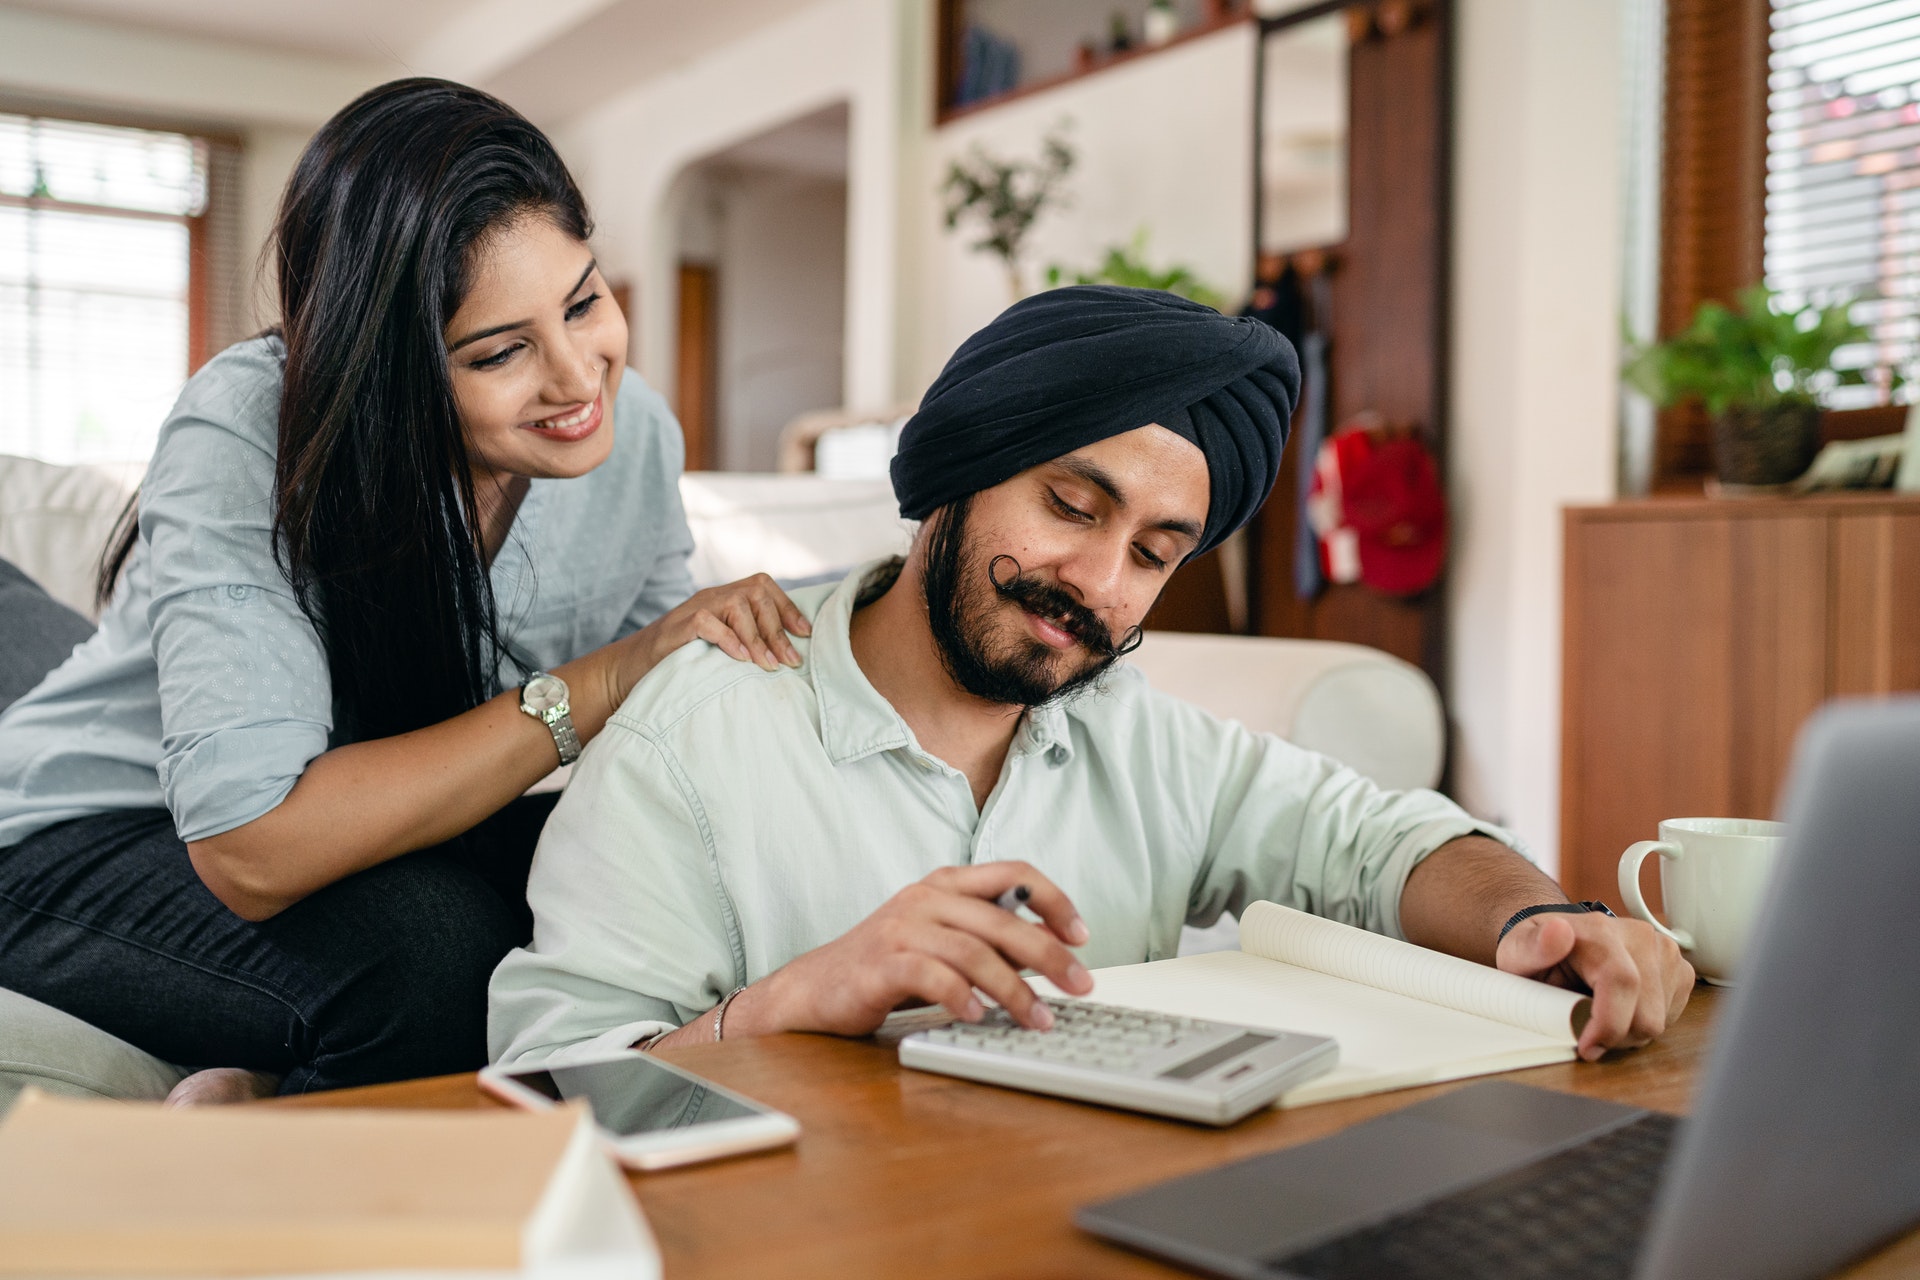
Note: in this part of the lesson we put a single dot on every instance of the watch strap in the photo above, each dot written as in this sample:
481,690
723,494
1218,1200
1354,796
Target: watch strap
564,738
559,720
1593,906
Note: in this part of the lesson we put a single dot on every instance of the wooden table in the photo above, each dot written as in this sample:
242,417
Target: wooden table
902,1173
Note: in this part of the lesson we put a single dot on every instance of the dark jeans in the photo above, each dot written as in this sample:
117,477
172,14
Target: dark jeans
382,976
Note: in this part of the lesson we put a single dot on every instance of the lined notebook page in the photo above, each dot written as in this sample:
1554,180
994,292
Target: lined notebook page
1294,937
1387,1040
1403,1015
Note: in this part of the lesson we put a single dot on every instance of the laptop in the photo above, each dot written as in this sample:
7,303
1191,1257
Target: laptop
1802,1152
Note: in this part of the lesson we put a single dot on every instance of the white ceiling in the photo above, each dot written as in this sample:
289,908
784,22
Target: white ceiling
550,59
813,145
376,29
622,44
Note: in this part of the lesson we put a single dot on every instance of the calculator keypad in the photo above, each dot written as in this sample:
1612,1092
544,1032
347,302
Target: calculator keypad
1192,1068
1091,1035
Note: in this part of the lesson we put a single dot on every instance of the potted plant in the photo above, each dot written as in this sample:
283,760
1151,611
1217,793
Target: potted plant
1004,198
1127,264
1761,371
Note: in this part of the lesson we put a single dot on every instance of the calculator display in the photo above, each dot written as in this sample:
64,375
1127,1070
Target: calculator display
1214,1057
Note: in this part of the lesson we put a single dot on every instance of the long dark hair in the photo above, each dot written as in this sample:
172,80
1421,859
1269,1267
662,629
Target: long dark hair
374,250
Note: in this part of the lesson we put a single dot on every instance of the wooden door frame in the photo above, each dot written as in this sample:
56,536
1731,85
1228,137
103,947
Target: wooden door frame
697,362
1388,348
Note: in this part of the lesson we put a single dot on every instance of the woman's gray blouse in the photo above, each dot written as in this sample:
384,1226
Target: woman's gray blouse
206,688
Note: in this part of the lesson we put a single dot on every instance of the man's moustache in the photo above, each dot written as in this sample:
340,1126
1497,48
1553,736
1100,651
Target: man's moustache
1056,606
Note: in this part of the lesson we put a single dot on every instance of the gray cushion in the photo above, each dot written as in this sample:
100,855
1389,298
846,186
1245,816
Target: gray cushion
40,1045
37,633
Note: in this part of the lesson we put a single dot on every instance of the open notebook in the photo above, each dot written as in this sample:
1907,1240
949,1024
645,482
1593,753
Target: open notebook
1403,1015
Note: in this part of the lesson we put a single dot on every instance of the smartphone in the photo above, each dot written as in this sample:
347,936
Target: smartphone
651,1114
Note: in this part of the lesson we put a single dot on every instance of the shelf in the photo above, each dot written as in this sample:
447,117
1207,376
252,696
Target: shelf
1698,506
1105,62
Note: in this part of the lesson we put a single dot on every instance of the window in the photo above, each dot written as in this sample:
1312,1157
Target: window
97,253
1843,173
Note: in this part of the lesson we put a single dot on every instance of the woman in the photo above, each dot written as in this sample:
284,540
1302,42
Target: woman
269,816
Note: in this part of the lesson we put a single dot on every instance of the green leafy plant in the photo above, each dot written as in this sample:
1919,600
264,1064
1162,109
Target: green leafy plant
1127,264
1751,357
1002,199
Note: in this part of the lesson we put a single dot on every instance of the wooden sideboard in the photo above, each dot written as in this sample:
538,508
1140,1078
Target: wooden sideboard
1700,634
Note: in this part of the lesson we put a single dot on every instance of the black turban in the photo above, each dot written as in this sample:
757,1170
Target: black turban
1069,367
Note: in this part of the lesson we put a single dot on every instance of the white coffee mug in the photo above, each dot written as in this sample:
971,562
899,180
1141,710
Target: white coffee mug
1713,874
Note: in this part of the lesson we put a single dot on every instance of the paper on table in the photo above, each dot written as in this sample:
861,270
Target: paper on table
1281,933
1389,1039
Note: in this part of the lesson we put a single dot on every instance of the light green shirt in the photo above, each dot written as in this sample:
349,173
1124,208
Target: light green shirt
729,819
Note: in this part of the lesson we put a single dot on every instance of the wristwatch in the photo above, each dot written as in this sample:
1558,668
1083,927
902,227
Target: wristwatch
544,697
1593,905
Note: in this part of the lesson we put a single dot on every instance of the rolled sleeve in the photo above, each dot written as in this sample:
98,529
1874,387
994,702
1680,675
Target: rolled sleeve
245,694
222,779
632,931
1308,832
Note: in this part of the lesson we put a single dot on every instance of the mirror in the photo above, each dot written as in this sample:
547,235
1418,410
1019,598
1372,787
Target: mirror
1301,190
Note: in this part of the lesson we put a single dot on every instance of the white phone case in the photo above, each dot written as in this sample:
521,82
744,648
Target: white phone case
666,1148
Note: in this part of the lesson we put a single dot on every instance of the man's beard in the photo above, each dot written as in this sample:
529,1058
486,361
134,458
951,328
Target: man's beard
961,594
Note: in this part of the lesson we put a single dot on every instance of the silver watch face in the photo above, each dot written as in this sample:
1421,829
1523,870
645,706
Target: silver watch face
543,693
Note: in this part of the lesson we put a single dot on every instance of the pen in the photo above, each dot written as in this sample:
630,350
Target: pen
1012,900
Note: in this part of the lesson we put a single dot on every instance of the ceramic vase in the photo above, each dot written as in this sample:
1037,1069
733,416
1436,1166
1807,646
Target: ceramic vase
1767,445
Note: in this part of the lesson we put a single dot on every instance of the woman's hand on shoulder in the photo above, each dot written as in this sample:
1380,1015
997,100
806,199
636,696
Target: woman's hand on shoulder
747,620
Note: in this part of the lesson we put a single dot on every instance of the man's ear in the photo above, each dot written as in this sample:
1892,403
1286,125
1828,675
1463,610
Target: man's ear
923,536
916,557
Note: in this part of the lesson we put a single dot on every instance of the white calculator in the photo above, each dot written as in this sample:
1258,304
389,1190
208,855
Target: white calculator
1188,1068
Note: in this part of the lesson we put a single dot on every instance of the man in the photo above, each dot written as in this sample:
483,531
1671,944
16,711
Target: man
744,852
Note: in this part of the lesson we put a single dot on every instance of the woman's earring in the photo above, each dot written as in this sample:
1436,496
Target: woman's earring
993,571
1135,634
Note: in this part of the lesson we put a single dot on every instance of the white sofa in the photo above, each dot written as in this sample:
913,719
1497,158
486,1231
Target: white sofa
1375,712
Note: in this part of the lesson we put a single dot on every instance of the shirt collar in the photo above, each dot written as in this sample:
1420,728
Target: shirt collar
855,721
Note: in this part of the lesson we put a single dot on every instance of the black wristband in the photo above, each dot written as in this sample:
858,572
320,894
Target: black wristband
1595,906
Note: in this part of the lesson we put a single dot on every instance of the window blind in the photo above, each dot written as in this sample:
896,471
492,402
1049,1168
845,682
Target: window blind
95,284
1843,174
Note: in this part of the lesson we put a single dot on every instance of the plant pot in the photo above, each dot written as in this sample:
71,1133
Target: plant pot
1770,445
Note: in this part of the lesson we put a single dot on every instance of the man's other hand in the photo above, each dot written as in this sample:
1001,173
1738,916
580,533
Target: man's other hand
938,940
1639,979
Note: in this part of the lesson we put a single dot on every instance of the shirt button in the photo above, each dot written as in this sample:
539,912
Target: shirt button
236,592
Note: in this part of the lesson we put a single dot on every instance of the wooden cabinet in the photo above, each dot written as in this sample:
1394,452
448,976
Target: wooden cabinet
1700,634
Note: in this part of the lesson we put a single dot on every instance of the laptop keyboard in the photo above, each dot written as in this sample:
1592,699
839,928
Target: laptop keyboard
1578,1215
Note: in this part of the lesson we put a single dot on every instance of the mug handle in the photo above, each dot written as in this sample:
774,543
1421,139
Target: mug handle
1630,886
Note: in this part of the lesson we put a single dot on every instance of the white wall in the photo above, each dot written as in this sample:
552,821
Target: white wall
272,99
1164,143
913,292
629,152
1535,314
782,264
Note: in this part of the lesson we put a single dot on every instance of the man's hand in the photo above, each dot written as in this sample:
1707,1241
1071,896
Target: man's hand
1639,979
936,941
